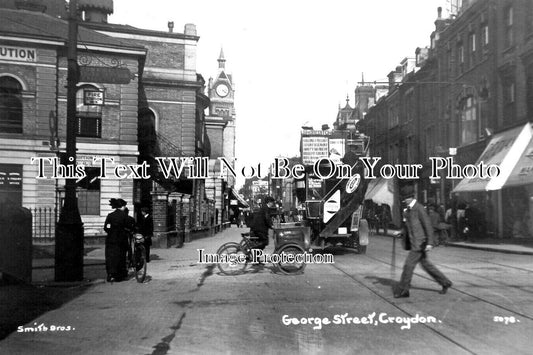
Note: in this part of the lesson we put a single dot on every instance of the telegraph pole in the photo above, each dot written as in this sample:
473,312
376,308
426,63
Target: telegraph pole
69,228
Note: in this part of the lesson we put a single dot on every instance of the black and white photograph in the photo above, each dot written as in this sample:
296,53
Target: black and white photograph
280,177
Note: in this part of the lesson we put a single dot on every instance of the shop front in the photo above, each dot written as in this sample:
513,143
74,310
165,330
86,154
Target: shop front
504,202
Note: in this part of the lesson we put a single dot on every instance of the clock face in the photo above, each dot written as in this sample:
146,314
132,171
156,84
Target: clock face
222,90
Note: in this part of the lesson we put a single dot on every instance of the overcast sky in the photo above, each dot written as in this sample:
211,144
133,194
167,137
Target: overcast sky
293,61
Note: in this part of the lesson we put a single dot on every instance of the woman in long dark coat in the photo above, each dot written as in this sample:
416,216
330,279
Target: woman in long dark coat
116,243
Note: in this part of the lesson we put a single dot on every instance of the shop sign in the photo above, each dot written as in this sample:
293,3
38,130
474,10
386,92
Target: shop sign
10,177
93,74
18,54
93,97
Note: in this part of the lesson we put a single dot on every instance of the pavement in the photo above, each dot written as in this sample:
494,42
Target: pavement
507,246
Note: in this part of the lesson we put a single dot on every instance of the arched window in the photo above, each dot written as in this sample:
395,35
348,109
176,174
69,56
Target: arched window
89,117
10,105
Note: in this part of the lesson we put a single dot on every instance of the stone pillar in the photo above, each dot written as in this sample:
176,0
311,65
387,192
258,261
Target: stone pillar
159,214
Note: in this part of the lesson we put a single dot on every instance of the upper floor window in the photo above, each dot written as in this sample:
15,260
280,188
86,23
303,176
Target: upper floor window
10,105
89,116
460,58
509,21
529,16
468,120
484,35
473,43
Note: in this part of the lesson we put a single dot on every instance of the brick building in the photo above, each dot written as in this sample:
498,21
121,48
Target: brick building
33,69
157,111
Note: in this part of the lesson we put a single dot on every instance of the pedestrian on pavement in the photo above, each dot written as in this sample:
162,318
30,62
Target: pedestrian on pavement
116,242
262,222
146,228
241,219
421,238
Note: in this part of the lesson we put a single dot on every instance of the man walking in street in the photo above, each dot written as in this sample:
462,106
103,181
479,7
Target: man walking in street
421,238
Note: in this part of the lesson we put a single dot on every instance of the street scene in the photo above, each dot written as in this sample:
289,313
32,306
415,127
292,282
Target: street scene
284,177
188,307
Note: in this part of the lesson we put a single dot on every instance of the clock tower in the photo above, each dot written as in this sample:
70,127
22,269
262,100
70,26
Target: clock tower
220,127
221,92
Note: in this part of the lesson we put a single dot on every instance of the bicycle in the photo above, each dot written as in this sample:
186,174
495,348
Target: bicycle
233,258
137,262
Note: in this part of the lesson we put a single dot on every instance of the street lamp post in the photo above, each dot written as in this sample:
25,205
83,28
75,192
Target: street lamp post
69,228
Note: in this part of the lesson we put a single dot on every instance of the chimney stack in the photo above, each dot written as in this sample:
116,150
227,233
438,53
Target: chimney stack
170,26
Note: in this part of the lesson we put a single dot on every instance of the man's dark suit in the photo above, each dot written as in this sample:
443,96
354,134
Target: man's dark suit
420,232
260,224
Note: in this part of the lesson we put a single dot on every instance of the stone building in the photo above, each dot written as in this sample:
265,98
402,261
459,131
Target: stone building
220,128
469,91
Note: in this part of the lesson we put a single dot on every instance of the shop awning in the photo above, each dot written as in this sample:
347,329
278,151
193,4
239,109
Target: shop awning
237,200
523,171
385,191
508,151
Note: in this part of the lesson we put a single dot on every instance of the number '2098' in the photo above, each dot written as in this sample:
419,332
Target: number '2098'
506,320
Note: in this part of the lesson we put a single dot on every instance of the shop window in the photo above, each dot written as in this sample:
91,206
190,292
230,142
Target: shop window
88,190
10,105
468,120
89,117
11,184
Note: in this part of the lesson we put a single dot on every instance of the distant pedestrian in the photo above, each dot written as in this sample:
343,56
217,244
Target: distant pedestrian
421,238
116,243
146,228
241,220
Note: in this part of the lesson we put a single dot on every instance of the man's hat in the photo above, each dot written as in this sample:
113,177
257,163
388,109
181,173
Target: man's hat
269,199
407,191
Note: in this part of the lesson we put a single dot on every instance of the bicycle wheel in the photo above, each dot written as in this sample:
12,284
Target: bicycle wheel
232,259
139,258
292,259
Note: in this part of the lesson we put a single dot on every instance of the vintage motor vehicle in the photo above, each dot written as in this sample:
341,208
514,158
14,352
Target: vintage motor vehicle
335,218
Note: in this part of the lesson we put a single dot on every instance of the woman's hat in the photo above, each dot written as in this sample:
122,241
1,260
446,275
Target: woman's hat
117,202
114,203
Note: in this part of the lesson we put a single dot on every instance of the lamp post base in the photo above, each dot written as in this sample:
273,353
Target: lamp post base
69,252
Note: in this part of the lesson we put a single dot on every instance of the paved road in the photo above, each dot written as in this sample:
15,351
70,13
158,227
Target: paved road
189,308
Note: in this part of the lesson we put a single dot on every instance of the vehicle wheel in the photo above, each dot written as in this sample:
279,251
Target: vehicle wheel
140,263
354,243
287,267
232,259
